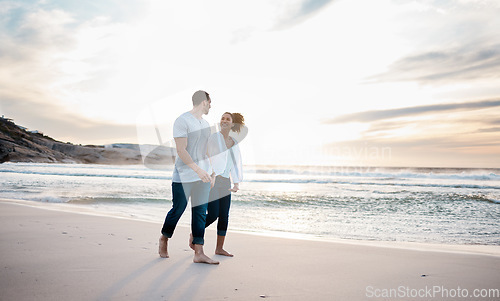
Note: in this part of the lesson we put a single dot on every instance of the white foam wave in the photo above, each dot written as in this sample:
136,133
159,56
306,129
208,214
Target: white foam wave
480,176
50,199
89,174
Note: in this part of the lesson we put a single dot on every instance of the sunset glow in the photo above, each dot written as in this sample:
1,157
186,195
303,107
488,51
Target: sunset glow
315,80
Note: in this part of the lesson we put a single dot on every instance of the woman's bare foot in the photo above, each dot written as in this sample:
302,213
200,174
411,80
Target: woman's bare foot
219,250
163,247
223,252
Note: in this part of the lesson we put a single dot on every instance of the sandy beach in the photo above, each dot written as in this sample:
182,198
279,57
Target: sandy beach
56,255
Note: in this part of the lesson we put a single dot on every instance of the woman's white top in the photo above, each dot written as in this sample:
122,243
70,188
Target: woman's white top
229,167
225,161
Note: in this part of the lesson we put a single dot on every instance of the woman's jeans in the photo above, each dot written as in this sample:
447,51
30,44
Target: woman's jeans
219,203
198,191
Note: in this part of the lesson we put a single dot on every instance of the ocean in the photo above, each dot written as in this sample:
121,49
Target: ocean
431,205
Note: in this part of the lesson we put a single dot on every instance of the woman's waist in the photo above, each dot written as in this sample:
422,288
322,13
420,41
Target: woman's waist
223,182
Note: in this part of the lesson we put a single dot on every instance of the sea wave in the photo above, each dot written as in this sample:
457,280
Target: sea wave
94,200
429,185
115,200
89,174
460,174
380,179
48,199
380,199
482,198
450,206
306,174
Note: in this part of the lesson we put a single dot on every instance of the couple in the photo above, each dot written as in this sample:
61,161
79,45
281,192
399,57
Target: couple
202,168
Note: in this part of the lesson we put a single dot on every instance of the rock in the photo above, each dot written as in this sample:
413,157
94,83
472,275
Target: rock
19,145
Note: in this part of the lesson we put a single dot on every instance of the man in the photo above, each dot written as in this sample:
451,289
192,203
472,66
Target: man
190,177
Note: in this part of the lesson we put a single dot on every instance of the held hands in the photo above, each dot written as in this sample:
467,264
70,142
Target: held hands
212,180
236,187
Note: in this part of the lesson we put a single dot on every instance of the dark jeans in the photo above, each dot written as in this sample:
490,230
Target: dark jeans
219,203
198,191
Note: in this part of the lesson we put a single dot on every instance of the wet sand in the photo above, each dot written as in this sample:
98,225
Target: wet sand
52,254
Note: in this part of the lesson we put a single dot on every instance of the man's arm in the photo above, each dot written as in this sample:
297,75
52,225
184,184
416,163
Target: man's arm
181,145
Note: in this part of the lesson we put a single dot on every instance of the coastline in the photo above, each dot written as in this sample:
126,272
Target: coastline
49,254
398,206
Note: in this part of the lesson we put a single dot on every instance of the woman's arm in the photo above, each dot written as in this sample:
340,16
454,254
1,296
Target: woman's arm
236,187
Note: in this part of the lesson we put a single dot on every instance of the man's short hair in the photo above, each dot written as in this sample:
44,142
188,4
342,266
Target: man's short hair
199,96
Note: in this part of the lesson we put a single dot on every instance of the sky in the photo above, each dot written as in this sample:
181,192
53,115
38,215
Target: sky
320,82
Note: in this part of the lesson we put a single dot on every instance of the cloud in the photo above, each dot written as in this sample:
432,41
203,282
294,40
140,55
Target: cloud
116,10
489,130
450,41
61,124
32,34
466,63
483,119
310,6
26,54
301,11
471,125
441,151
52,60
33,53
439,144
375,115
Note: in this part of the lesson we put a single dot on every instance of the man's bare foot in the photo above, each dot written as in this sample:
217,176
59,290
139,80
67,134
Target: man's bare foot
163,248
223,252
191,245
202,258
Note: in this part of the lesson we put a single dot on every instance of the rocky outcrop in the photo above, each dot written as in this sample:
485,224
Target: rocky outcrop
19,145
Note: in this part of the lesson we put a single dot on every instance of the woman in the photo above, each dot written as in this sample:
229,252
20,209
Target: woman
226,163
